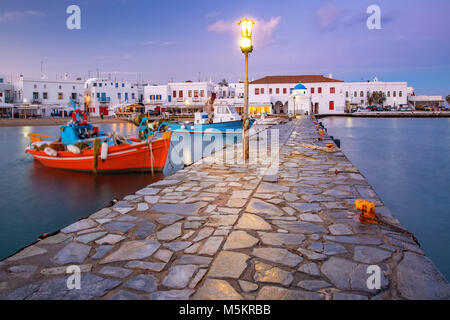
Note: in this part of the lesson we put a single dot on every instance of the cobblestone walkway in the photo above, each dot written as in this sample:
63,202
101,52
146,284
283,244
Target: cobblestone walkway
231,232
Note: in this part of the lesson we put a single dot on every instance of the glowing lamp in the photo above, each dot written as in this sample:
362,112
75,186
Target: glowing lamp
246,33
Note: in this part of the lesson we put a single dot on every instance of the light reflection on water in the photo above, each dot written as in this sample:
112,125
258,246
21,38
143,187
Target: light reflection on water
407,161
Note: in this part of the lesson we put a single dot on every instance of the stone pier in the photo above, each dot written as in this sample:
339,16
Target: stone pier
234,231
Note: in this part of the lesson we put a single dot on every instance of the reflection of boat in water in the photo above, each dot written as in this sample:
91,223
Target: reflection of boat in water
84,148
225,119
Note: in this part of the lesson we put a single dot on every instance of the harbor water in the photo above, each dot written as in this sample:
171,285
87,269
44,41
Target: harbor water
36,200
407,161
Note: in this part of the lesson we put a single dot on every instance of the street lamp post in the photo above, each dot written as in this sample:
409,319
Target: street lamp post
246,47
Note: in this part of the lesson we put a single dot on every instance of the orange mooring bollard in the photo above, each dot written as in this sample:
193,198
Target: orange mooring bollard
367,209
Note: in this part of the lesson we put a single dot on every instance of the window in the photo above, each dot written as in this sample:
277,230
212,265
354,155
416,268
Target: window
319,91
35,86
388,94
332,90
256,91
1,80
45,86
60,95
180,93
395,94
132,95
278,91
74,95
400,94
355,94
331,105
312,90
60,87
94,84
190,93
262,90
100,84
291,90
119,96
123,85
361,94
117,85
202,93
45,95
174,93
284,90
270,91
35,96
195,93
346,94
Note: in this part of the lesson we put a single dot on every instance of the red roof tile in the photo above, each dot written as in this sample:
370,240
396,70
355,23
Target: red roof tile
294,79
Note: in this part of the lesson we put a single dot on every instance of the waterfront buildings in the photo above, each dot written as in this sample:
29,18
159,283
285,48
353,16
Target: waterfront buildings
183,97
270,94
44,97
328,95
104,96
6,97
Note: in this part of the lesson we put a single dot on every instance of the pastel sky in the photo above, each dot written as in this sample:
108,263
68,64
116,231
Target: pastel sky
158,41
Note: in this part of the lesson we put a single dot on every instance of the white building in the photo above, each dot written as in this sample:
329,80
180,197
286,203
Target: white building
224,92
6,97
238,89
156,97
328,95
44,97
357,93
178,96
104,95
271,93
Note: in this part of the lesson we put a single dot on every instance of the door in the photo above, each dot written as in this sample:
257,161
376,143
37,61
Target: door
331,105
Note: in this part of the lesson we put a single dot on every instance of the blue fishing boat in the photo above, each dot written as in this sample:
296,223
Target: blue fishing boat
225,118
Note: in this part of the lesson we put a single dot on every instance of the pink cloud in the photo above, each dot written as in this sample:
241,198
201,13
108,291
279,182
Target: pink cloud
328,16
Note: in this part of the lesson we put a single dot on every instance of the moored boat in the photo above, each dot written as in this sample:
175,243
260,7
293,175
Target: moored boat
83,147
225,118
133,156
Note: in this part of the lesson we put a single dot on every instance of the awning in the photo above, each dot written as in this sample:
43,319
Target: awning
6,105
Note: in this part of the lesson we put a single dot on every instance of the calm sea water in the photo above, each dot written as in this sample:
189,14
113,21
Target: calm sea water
407,161
35,200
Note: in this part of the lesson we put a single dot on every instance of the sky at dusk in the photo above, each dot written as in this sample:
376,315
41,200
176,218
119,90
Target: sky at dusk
158,41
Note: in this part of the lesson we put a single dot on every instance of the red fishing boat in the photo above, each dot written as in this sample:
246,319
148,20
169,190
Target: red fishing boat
133,156
83,147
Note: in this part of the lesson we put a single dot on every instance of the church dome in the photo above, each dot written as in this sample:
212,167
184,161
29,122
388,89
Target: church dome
299,87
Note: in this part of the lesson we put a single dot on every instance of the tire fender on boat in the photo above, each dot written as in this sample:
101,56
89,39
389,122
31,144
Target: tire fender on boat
104,152
51,152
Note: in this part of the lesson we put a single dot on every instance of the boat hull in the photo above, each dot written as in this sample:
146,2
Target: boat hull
221,126
124,158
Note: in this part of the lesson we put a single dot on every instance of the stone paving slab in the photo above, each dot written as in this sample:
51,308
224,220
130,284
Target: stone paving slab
234,231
